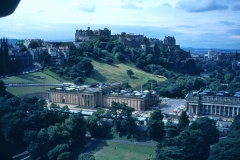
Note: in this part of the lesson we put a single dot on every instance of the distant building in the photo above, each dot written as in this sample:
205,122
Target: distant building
86,35
102,95
59,54
211,54
169,41
209,103
3,56
228,56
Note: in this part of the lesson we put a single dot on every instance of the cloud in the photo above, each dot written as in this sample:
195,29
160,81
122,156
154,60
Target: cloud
41,11
166,5
235,6
87,7
234,31
185,26
234,37
201,5
20,24
228,23
131,6
139,1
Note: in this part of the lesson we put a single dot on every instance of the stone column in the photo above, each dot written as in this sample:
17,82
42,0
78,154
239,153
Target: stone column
211,110
215,110
220,109
190,110
233,113
224,111
228,110
237,110
196,109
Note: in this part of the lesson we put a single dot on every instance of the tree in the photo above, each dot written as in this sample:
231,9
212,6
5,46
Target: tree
208,129
93,126
155,125
56,151
78,81
65,156
33,44
109,60
2,88
171,129
235,128
226,148
4,148
86,156
45,57
130,73
124,123
120,56
193,144
183,121
76,126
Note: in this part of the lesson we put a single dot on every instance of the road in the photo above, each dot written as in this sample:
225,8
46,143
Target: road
32,84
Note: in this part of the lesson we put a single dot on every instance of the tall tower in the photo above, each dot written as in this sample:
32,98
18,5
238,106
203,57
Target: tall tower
3,56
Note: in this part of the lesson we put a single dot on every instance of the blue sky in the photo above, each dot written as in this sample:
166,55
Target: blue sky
194,23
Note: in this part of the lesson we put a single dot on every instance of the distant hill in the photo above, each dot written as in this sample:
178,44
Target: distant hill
205,50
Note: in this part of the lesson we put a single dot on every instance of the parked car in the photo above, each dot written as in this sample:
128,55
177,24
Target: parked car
220,119
224,120
225,126
220,125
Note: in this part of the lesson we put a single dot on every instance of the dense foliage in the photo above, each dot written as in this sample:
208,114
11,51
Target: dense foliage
228,148
188,142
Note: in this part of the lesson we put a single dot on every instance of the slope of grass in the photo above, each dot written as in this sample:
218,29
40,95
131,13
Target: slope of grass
117,73
56,76
123,151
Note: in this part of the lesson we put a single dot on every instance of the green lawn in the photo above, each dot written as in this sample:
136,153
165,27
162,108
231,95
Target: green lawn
117,73
56,76
36,77
22,91
123,151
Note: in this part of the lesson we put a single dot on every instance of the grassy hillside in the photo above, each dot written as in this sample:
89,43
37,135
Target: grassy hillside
117,73
102,73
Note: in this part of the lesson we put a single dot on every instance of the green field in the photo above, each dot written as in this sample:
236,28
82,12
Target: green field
36,77
22,91
123,151
117,73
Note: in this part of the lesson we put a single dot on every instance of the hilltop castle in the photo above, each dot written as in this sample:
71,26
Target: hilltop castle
129,40
85,35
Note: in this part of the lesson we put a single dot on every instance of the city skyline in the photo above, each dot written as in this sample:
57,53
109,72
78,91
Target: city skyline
194,23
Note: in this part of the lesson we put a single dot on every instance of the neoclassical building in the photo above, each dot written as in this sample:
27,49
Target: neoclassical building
209,103
102,95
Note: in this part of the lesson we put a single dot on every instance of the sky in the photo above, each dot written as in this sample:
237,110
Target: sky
194,23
